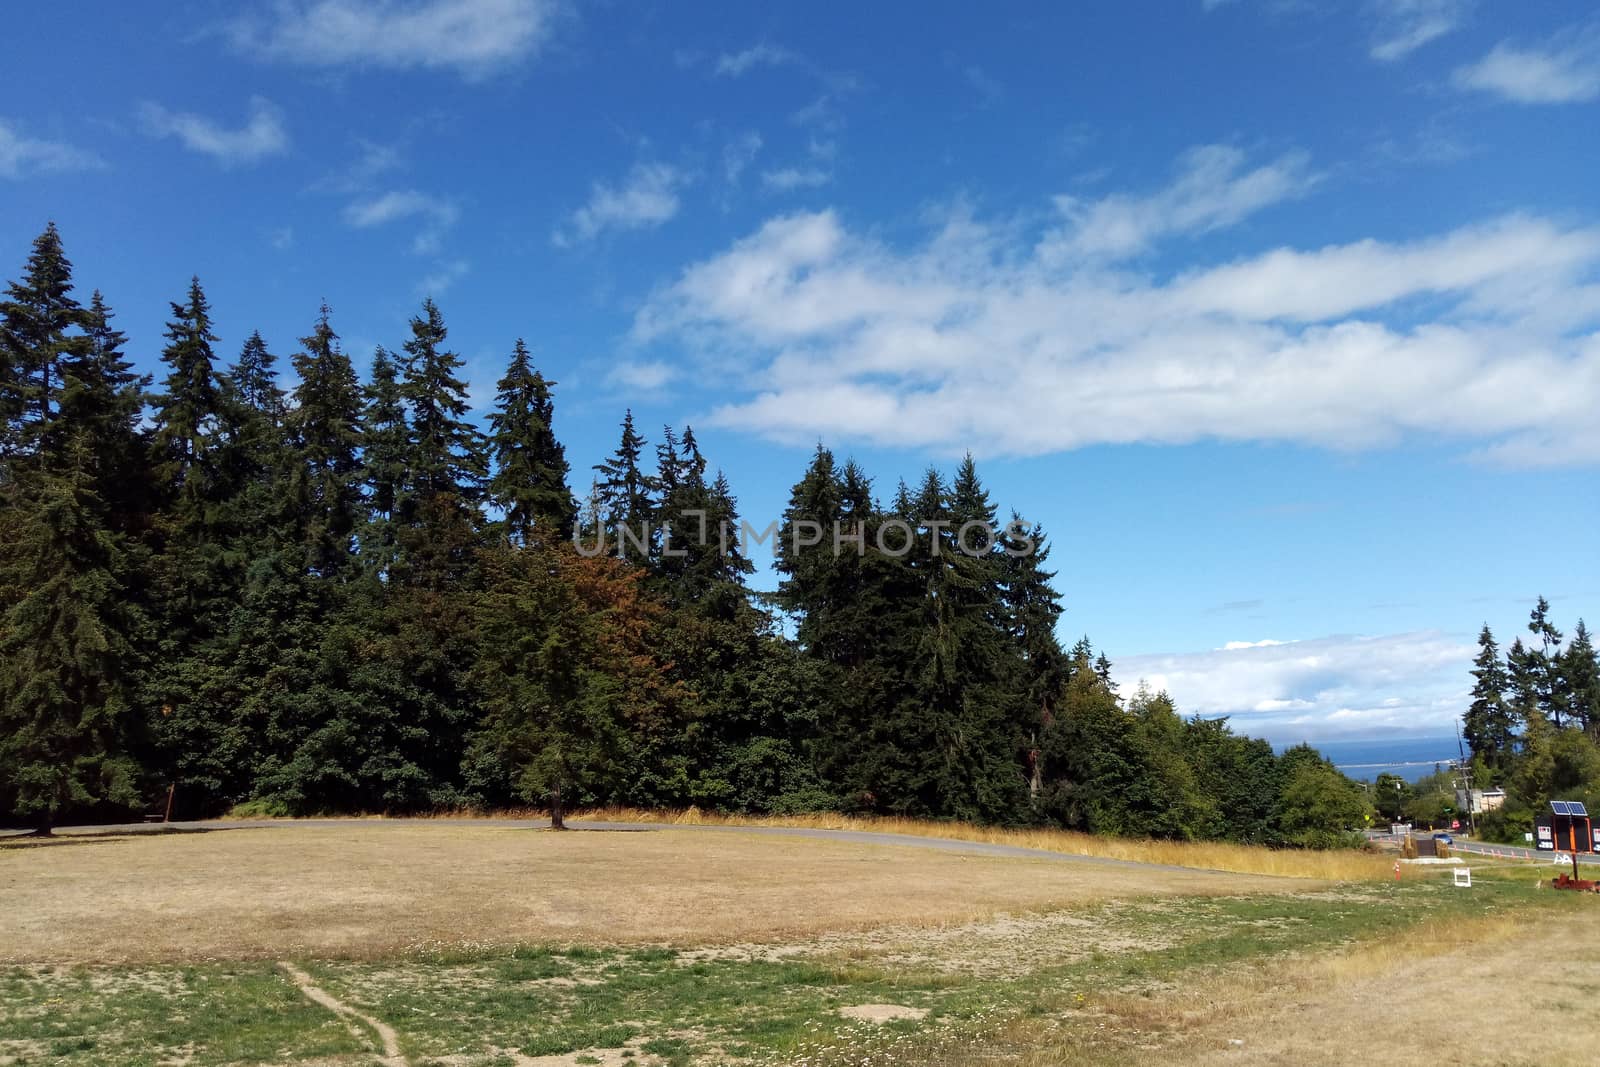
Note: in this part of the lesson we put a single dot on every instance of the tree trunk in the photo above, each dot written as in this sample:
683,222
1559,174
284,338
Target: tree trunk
44,826
557,817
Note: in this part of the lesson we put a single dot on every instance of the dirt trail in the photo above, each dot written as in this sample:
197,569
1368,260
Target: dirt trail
392,1056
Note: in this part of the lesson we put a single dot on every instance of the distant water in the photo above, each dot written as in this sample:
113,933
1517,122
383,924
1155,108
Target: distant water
1409,757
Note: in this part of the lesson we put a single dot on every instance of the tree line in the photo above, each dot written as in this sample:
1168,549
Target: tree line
345,595
1533,725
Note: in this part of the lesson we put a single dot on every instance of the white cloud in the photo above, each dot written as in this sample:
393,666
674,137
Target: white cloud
1564,70
789,179
642,376
262,136
22,156
985,337
738,154
436,214
646,199
1407,25
1412,683
1212,190
473,37
444,277
738,64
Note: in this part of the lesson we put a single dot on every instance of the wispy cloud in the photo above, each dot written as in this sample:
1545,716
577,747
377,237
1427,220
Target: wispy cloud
1563,70
436,213
738,154
22,156
1213,189
643,375
447,274
1318,689
985,336
738,64
476,38
261,136
1403,26
647,198
789,179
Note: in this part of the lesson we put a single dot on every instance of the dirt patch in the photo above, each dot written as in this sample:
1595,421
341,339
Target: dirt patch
386,1035
883,1013
354,891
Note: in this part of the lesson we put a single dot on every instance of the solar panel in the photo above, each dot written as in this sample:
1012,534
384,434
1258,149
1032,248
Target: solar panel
1560,807
1576,807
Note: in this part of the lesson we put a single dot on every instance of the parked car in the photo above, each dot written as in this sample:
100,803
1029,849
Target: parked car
1446,838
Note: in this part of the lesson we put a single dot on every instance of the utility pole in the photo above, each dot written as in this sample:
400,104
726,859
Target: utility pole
1466,778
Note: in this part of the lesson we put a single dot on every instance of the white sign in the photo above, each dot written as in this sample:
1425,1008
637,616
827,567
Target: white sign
1464,877
1527,836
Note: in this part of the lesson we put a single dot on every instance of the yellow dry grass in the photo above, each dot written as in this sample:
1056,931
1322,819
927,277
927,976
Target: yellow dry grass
1334,866
371,889
1390,1002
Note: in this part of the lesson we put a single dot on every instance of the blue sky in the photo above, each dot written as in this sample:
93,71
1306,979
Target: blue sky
1281,317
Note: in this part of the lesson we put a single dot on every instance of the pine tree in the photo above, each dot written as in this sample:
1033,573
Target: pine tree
1488,725
1032,609
1543,663
386,443
66,646
325,427
446,462
103,398
1580,670
624,494
39,332
254,381
256,459
189,414
530,479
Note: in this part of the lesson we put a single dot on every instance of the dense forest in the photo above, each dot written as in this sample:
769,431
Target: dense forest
1534,723
340,595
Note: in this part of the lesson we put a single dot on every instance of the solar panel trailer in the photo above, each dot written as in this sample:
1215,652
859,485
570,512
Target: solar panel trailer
1566,829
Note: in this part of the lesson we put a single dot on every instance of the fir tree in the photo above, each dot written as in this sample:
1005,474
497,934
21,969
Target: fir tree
446,463
1580,671
386,443
189,413
1488,725
103,398
530,480
325,427
624,493
1543,663
39,333
66,647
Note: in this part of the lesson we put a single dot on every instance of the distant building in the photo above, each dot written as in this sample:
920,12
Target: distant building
1478,801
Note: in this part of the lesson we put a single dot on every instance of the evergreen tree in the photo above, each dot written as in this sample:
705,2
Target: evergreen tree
67,647
1543,663
446,463
189,414
1488,726
530,480
326,430
39,333
386,444
1580,671
103,398
258,462
624,494
1032,608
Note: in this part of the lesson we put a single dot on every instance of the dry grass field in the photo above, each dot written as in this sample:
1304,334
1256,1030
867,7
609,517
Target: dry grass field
360,889
1202,855
467,944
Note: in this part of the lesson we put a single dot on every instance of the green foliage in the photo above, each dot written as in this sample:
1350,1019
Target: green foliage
348,599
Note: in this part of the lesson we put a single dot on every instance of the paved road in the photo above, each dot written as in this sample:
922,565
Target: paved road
863,837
